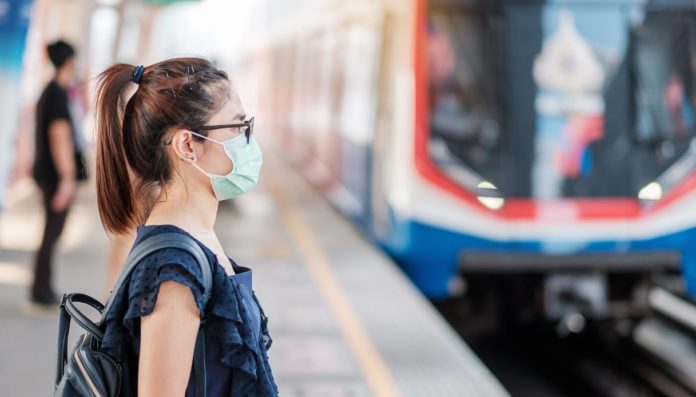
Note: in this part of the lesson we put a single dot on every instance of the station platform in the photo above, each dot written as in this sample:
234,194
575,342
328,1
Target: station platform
344,319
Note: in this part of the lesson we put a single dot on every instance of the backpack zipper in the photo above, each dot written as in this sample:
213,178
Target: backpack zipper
81,365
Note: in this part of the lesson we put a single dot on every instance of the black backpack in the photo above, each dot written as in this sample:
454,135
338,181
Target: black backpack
89,371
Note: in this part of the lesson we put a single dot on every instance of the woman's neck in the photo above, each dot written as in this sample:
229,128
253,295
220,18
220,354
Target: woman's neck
194,210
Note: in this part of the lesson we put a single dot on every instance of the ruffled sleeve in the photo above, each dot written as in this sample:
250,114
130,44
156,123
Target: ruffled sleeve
169,264
140,296
266,339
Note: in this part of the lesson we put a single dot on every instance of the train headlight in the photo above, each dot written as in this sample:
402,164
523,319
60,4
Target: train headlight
493,201
652,192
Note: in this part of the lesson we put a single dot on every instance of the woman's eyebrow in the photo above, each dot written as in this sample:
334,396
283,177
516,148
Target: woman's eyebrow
239,116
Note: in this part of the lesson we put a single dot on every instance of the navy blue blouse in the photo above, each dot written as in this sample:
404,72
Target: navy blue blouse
235,326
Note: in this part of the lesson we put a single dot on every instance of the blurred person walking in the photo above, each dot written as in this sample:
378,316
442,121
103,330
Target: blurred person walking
57,166
166,157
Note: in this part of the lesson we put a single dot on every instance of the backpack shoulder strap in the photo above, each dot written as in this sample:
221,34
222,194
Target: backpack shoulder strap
158,242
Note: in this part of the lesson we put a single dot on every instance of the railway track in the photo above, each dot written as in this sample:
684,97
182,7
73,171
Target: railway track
651,357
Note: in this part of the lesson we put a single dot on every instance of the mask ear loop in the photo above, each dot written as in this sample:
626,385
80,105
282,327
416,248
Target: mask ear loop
202,170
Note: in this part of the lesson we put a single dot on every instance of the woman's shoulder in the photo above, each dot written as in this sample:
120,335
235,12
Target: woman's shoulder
166,264
138,296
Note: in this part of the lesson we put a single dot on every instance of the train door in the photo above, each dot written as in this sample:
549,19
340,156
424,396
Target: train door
385,135
356,116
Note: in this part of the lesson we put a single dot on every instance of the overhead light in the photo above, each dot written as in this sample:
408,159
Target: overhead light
494,203
652,191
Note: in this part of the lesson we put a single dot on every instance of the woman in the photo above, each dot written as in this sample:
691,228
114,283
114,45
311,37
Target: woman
165,157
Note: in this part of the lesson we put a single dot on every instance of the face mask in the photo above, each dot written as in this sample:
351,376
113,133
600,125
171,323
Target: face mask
246,166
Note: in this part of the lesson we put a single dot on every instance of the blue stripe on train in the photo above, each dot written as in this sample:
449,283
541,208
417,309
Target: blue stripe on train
429,254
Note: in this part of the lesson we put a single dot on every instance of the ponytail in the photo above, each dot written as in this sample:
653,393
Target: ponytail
114,189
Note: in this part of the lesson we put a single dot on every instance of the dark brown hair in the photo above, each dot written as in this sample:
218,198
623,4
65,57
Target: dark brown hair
132,160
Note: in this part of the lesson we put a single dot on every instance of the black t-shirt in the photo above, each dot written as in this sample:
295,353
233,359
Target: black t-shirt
52,106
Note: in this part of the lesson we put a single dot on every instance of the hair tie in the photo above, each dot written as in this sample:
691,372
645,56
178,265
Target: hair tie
138,73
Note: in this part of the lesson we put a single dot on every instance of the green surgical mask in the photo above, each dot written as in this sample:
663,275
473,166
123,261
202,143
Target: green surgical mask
246,166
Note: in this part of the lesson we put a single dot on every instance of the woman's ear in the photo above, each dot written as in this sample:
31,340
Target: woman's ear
183,145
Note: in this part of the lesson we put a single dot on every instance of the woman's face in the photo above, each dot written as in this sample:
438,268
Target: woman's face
208,156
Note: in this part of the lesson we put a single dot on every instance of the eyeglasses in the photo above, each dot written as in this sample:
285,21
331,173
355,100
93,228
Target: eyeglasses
248,131
248,127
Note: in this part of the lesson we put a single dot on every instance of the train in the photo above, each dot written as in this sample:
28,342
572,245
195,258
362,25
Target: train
538,153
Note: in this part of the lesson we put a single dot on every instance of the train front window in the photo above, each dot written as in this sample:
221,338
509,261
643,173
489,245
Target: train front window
551,101
463,92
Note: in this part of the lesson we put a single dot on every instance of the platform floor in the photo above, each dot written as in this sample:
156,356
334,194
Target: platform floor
345,321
